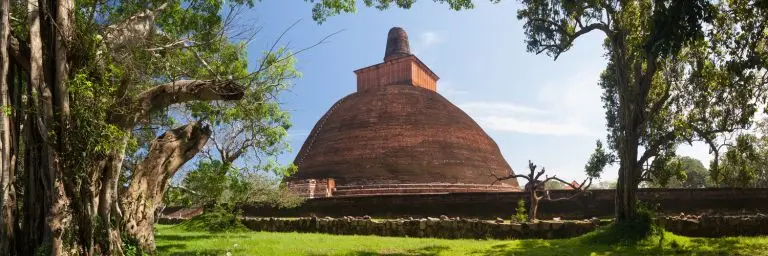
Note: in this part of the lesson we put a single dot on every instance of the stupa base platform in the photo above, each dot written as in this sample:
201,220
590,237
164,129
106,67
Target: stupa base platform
315,188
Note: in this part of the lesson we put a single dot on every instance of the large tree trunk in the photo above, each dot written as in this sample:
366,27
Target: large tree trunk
106,200
629,170
7,177
41,174
626,186
625,194
630,112
166,155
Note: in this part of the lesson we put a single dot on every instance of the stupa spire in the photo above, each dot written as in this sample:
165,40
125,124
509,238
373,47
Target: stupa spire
397,44
399,67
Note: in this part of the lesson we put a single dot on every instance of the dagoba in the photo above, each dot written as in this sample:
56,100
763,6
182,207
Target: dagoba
397,135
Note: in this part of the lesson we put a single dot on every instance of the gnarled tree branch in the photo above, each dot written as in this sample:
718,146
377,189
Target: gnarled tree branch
162,96
167,153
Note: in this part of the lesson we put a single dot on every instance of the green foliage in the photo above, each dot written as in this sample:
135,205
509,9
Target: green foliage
678,71
598,161
520,212
44,249
326,8
217,184
217,219
631,231
744,164
131,247
681,172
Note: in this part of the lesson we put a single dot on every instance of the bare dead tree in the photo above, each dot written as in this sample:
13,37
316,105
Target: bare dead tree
535,186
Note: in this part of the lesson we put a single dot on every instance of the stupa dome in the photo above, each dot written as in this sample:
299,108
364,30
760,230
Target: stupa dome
396,130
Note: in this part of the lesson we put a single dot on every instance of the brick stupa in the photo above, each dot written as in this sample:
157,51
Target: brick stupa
397,135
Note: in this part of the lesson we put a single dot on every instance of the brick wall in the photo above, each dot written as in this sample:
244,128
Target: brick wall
405,70
597,203
312,188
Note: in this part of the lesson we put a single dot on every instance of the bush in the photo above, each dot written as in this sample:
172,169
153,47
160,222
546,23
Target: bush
630,231
520,212
216,219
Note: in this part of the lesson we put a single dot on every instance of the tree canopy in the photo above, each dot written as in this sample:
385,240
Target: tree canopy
326,8
745,161
682,172
105,101
678,71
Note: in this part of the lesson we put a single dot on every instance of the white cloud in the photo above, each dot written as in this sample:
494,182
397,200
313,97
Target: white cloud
571,107
498,108
425,40
522,125
447,89
429,38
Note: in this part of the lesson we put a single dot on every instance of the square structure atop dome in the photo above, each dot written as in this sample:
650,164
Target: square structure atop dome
406,70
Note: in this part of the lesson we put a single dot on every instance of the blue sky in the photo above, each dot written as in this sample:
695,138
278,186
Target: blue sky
533,107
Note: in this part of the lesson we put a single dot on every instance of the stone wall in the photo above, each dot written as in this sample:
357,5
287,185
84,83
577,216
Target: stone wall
428,227
596,203
716,226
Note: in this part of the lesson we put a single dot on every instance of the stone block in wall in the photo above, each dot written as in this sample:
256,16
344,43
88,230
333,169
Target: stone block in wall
451,229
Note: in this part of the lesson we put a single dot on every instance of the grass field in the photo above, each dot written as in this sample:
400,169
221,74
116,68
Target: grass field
172,240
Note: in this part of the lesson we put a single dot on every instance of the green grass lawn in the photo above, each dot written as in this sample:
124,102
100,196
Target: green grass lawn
172,240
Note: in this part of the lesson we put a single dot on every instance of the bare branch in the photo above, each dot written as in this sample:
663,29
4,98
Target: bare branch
508,177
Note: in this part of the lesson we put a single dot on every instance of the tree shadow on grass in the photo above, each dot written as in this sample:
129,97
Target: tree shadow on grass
432,250
695,246
182,237
178,244
174,237
168,247
207,252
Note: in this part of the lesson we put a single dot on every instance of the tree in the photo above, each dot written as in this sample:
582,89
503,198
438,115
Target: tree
678,71
535,186
206,186
102,84
744,164
7,175
681,172
326,8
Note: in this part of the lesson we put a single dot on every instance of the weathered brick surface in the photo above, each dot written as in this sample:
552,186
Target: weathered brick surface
399,134
397,44
407,70
397,130
312,188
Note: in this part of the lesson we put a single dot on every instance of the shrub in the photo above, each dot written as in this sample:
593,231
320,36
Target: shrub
215,219
520,212
630,231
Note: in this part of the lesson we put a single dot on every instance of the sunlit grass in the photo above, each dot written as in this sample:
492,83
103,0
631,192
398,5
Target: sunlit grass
173,240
